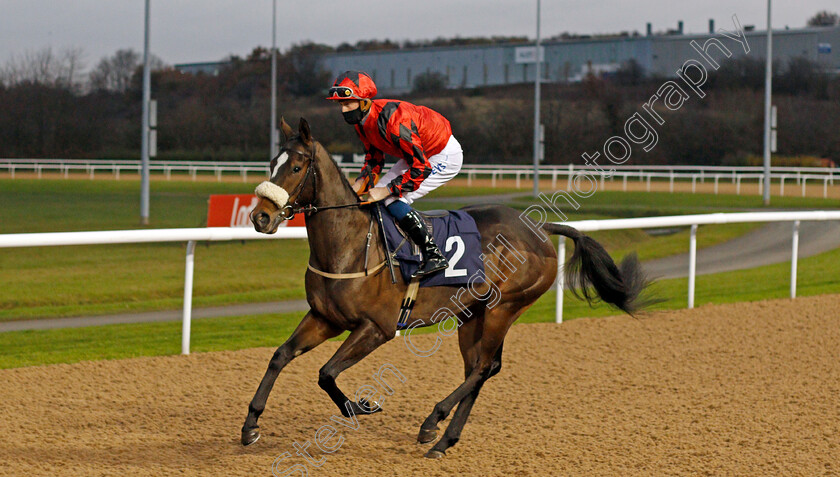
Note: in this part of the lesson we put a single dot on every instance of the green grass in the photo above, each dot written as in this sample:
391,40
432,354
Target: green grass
817,275
648,204
37,347
90,280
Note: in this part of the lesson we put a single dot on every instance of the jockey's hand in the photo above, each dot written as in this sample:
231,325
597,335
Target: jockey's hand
359,185
379,193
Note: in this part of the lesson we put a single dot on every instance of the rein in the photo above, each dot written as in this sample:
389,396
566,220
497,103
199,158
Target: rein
310,209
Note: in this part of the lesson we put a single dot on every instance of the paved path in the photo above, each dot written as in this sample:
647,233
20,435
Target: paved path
156,316
764,246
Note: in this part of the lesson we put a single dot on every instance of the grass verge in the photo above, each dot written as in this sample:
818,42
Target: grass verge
90,280
817,275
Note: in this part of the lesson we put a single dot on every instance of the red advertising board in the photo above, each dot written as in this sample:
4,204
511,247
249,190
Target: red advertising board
233,210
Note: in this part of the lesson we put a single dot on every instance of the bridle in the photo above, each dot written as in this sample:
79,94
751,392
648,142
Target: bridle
294,208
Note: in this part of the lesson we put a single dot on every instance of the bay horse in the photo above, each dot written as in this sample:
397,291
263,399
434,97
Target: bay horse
368,306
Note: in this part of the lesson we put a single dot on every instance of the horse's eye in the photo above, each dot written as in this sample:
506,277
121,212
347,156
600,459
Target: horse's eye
296,169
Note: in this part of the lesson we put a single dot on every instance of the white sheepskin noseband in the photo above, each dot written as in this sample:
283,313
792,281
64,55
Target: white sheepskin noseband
273,192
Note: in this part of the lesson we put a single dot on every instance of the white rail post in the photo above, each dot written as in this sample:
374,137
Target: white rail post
804,181
561,279
571,174
671,187
782,186
188,288
624,183
692,265
825,188
794,258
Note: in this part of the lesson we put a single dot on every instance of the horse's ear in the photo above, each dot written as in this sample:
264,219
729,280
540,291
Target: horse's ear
286,129
305,134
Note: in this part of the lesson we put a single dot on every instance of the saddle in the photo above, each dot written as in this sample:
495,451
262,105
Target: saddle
457,236
428,219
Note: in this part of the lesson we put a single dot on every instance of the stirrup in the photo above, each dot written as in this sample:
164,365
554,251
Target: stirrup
444,264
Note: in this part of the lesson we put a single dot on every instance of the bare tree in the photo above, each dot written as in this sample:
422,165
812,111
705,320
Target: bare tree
72,61
114,73
62,69
824,18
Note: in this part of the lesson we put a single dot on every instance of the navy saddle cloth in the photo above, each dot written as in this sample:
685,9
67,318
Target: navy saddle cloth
457,237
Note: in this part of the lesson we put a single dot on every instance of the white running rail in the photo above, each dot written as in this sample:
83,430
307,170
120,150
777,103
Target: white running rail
191,236
800,176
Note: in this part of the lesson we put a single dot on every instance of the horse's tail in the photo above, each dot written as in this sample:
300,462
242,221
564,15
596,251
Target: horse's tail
591,266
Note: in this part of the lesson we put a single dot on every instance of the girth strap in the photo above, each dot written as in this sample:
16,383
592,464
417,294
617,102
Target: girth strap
339,276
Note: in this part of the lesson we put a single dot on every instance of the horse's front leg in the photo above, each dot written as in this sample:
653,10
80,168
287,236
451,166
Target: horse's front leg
311,332
360,343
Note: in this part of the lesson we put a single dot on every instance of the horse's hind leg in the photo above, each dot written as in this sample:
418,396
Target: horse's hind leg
469,334
311,332
495,326
462,413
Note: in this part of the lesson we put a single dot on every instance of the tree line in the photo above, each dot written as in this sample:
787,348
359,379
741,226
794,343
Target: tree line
49,107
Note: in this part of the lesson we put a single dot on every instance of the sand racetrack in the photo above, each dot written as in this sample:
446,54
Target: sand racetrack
744,389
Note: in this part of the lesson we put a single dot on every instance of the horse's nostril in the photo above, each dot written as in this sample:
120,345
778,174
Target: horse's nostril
262,219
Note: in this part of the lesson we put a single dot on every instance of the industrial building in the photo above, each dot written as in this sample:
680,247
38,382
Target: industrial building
567,60
571,60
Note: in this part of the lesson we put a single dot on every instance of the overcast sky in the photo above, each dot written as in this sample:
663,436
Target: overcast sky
185,31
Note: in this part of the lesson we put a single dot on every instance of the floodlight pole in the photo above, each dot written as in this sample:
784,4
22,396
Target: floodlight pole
537,109
272,149
144,144
768,92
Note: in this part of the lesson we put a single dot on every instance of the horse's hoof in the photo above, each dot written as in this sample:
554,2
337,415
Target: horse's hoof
365,407
426,435
434,454
250,436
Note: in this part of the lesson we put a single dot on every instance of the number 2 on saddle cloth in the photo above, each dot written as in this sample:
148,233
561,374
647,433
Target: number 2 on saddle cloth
459,240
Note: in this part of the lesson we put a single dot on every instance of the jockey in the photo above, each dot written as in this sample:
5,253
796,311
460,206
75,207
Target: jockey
429,155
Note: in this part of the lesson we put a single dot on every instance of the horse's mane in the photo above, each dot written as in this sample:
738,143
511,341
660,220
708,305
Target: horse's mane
332,161
337,169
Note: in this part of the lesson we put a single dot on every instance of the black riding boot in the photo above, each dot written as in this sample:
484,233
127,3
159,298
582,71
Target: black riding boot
433,259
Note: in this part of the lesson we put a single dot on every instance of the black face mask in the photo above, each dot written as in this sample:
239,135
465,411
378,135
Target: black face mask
353,117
